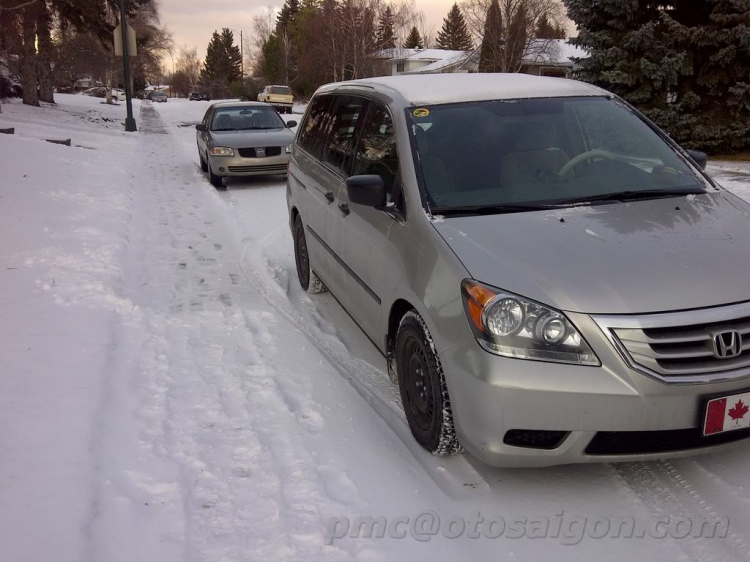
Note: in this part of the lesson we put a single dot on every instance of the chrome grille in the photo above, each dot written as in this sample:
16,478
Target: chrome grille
679,347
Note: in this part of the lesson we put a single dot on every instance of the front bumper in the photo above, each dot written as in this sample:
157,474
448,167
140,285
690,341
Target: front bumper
491,395
237,166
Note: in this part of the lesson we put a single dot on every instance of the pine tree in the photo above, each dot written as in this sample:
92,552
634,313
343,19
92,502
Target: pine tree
386,35
454,34
212,65
233,57
545,29
491,52
414,40
686,65
287,15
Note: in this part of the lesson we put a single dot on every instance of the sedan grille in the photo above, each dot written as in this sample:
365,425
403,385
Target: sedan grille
692,346
270,168
253,152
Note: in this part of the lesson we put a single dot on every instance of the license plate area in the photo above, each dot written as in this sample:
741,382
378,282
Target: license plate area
726,413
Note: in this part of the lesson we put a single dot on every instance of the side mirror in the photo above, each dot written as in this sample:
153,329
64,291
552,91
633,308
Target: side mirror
366,190
291,124
200,127
700,158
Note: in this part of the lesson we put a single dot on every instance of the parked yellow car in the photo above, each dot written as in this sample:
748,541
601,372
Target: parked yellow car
279,97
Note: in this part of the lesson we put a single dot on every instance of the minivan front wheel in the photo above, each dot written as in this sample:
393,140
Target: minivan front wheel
307,278
424,392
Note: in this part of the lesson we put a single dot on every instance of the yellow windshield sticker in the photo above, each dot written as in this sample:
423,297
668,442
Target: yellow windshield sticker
421,112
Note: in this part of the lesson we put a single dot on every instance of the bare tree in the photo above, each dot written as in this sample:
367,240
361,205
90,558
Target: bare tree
189,64
518,43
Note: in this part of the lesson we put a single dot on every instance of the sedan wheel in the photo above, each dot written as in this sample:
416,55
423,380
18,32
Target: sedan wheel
424,392
215,180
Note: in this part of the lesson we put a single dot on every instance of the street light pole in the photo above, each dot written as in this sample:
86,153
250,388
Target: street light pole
242,63
129,120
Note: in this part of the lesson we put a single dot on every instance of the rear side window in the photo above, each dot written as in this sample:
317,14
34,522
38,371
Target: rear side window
313,132
377,153
283,90
342,142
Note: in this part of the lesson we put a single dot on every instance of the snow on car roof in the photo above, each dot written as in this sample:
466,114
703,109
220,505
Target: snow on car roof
431,89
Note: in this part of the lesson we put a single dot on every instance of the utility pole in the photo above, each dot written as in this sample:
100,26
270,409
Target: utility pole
129,120
242,63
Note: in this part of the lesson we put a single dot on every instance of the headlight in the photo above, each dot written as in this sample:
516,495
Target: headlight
289,149
509,325
221,151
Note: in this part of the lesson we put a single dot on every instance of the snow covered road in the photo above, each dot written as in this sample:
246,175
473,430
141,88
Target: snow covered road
168,392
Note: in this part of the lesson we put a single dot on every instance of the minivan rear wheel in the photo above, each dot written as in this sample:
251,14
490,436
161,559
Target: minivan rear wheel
424,392
307,278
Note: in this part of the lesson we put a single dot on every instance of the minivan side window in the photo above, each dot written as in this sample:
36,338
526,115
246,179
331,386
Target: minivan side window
339,151
377,153
313,132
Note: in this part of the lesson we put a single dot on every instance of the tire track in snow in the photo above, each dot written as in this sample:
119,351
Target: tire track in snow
665,492
454,475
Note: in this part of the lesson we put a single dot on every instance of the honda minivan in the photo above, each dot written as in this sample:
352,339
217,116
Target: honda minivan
550,277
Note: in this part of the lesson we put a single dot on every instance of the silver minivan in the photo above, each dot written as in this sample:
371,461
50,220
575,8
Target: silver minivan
551,278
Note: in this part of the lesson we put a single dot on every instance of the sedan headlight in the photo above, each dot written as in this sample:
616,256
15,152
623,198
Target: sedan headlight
509,325
289,149
222,151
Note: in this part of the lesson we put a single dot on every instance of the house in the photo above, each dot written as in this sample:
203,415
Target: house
544,57
421,61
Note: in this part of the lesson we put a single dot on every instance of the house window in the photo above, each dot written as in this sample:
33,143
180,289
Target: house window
400,66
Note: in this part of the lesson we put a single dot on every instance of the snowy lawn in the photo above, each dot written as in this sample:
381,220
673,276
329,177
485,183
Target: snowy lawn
168,393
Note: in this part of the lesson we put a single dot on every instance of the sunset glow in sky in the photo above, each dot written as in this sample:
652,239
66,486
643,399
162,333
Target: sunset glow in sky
193,21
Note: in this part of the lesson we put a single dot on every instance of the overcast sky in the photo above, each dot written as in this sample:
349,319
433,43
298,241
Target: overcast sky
193,21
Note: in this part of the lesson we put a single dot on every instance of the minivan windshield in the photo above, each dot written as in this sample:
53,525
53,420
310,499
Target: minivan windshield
532,153
246,118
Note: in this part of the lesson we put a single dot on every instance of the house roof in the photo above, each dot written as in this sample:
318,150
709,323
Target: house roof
428,89
553,52
434,55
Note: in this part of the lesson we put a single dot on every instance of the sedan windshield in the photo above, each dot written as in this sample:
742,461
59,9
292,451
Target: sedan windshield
535,153
246,118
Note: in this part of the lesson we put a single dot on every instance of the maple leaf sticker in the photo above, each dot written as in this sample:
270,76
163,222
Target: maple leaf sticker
738,411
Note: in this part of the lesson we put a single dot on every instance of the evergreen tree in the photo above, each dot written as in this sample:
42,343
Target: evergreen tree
414,40
545,29
232,57
454,34
272,64
491,52
386,35
685,64
223,61
287,15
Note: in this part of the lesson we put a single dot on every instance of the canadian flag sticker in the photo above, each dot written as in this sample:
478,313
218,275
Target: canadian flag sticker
726,414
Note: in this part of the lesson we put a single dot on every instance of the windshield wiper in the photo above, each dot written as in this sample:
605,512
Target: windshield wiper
632,195
259,128
492,209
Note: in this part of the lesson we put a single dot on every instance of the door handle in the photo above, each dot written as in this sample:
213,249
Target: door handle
344,208
329,196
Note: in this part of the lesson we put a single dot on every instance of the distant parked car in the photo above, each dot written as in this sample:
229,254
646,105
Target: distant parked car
98,92
243,139
157,96
195,96
118,94
279,97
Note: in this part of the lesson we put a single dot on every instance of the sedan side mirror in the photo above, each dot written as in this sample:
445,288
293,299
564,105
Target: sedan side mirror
366,190
291,124
200,127
700,158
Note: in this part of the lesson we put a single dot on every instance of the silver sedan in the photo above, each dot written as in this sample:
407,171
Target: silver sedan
243,139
